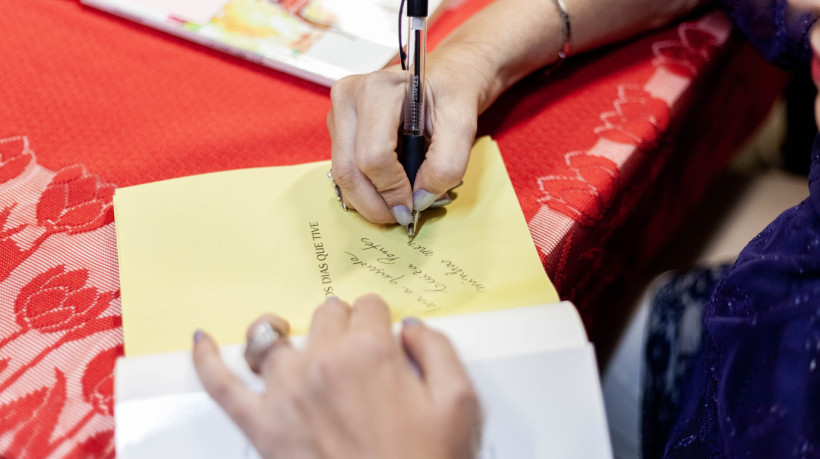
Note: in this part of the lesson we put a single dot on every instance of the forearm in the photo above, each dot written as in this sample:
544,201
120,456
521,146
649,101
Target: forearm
511,38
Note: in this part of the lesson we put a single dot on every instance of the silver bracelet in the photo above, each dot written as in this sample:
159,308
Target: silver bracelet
566,34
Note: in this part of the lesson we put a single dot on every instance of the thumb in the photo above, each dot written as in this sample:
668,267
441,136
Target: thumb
447,157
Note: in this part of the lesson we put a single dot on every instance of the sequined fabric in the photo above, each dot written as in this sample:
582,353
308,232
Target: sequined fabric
755,390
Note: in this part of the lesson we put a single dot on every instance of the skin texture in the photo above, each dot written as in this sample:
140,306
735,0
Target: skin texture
352,392
464,75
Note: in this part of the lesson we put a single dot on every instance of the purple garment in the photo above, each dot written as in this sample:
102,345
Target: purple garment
755,391
777,31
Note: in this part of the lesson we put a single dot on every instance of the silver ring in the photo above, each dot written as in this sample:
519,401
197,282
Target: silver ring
263,338
337,190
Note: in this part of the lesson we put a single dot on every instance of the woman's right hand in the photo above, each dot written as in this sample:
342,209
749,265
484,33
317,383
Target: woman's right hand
364,123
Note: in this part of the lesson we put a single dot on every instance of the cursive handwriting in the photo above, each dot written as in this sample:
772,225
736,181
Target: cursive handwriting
455,270
354,259
389,258
434,284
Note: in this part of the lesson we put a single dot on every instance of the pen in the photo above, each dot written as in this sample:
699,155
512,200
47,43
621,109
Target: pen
413,147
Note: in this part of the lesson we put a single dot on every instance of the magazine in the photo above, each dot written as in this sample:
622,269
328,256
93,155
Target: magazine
318,40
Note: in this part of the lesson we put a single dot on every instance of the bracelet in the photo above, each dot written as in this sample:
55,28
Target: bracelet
566,28
566,35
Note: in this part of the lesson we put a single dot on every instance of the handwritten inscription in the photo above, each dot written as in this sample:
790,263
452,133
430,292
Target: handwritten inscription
393,280
321,255
455,270
433,284
388,257
420,249
404,269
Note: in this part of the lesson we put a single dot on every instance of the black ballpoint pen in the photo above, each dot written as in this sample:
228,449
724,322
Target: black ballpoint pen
413,146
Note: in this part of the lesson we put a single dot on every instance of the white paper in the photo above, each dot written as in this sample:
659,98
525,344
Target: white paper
533,368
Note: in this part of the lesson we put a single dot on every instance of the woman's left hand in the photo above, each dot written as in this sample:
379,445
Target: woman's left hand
352,392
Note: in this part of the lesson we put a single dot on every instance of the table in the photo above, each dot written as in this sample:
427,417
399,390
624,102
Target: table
607,157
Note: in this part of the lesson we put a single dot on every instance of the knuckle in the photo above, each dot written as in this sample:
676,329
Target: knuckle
324,371
340,90
375,82
372,346
343,174
372,158
448,172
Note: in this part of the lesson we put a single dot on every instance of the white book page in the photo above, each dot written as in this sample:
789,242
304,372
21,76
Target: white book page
533,368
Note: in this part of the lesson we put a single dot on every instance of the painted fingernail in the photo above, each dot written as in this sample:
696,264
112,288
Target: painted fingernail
198,336
442,201
422,200
403,215
410,322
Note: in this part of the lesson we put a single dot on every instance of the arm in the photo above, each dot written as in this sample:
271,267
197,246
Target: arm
467,72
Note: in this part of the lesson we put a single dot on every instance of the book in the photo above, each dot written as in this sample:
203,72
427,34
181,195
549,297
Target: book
318,40
215,251
532,367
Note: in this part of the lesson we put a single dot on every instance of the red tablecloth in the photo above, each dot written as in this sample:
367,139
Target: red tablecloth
89,102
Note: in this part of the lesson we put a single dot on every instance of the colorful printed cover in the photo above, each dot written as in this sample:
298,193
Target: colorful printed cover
318,40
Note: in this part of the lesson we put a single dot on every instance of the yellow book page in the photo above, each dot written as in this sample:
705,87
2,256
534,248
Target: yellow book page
215,251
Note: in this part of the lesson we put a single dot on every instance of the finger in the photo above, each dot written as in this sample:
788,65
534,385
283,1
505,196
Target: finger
448,154
371,313
330,321
357,190
240,403
436,359
376,141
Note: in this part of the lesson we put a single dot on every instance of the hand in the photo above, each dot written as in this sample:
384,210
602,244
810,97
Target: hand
352,392
364,123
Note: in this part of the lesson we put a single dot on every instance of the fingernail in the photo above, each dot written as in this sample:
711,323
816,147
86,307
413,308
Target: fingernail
410,322
198,336
422,200
442,201
403,215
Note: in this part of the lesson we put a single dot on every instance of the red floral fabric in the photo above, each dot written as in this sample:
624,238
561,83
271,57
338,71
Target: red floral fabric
604,156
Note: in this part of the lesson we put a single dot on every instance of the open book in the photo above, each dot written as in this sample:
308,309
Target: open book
215,251
318,40
533,368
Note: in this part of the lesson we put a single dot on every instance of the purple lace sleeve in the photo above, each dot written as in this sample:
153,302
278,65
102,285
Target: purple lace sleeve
776,30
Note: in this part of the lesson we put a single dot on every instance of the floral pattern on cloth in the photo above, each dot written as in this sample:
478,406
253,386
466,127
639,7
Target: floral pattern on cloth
60,321
57,239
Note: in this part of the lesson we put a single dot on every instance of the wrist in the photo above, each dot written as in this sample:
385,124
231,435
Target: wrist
467,74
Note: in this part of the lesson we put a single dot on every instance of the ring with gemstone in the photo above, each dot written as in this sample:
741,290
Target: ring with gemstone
337,190
262,339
